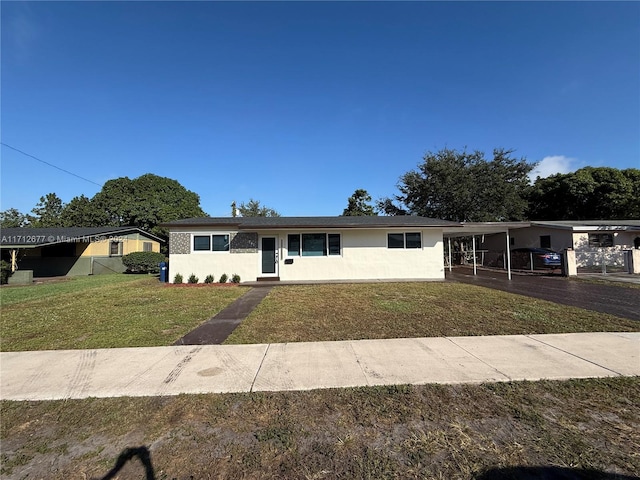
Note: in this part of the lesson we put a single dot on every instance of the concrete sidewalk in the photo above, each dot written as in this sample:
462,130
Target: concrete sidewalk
64,374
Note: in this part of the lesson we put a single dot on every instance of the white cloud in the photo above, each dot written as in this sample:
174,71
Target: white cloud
552,165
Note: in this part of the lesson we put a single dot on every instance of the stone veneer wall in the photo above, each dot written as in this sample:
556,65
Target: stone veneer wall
244,243
179,243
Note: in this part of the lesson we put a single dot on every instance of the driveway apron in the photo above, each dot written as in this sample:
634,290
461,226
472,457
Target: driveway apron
619,301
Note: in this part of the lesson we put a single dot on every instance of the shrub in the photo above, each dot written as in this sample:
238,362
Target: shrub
177,278
235,278
223,278
5,272
143,262
192,279
209,279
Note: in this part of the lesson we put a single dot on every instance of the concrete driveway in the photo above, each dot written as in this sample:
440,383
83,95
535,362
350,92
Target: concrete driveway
615,300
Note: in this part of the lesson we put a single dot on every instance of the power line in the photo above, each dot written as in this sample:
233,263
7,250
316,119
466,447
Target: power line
50,164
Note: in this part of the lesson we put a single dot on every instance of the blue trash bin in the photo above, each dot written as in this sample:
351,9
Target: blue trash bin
163,271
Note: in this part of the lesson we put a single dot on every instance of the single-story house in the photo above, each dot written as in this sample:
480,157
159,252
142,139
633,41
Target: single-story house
594,241
51,252
308,248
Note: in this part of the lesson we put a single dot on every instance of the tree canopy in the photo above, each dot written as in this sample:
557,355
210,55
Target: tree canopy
12,218
463,186
144,202
358,205
253,209
47,212
590,193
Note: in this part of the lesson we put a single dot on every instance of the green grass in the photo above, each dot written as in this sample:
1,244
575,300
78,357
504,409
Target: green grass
398,310
432,431
16,294
106,311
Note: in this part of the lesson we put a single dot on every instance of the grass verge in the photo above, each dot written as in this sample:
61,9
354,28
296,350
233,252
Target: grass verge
453,432
105,311
397,310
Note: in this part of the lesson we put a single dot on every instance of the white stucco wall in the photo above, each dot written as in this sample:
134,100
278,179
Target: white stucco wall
364,256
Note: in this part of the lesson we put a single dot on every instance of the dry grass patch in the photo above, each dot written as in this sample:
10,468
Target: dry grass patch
453,432
96,313
398,310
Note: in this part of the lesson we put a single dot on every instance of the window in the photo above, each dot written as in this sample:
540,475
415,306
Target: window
404,240
601,240
334,244
220,243
545,241
208,243
147,247
293,245
115,249
413,240
201,242
313,244
396,240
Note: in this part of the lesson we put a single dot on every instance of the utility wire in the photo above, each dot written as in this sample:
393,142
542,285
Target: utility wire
50,164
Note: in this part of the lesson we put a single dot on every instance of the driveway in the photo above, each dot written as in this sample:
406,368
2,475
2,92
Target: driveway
615,300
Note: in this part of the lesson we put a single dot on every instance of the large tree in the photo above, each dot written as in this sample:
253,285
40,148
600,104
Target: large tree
591,193
254,209
12,218
80,212
47,212
463,186
358,205
144,202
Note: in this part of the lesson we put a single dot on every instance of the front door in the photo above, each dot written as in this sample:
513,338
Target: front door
269,256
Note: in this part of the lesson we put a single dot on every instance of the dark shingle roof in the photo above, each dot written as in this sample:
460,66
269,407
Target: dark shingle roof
246,223
32,237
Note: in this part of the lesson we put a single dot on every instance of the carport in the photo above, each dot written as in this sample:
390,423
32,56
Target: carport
474,229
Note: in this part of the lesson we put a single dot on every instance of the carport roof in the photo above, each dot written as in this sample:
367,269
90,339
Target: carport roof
27,237
483,228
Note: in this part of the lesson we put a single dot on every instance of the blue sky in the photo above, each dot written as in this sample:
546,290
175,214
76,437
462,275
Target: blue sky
297,104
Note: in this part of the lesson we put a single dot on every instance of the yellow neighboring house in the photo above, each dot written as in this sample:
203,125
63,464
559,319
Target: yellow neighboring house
52,252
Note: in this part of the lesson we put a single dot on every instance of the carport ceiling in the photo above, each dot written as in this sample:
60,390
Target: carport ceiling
483,228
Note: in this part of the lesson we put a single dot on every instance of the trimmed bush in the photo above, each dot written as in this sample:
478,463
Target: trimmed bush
192,279
177,278
5,272
235,278
209,279
224,278
143,262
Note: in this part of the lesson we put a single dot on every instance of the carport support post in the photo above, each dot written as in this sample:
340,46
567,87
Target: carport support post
449,239
473,243
508,255
14,260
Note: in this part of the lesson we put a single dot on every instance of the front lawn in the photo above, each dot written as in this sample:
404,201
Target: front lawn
105,311
395,310
549,429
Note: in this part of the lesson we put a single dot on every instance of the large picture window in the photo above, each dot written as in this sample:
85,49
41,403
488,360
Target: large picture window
313,244
404,240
